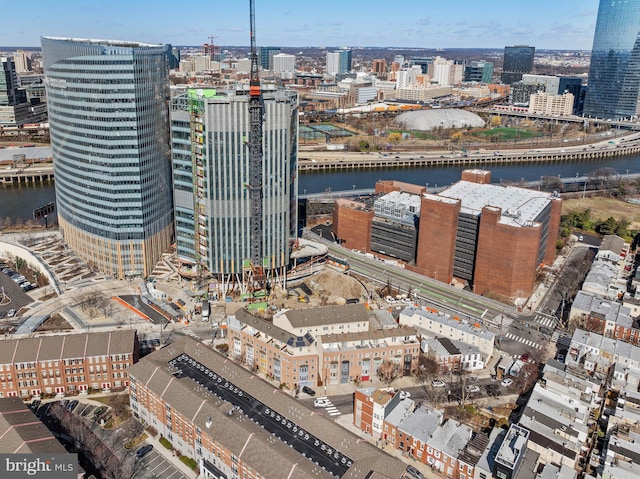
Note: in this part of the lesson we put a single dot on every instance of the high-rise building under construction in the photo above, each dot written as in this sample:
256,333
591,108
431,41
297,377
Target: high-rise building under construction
211,180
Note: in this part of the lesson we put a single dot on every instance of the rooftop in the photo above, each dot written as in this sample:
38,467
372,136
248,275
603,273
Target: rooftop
204,386
22,432
520,206
513,447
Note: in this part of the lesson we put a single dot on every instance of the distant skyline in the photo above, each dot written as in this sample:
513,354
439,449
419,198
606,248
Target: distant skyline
545,24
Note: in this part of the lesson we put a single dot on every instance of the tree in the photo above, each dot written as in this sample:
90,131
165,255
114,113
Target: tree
389,371
395,138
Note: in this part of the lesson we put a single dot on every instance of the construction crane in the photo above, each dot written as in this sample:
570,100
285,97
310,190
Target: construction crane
256,118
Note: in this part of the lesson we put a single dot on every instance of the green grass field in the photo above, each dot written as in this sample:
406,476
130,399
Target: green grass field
505,134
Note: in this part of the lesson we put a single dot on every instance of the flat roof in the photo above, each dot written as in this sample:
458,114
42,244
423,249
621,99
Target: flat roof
520,206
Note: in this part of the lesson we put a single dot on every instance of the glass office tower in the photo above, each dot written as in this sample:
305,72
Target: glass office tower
518,60
109,124
209,131
614,75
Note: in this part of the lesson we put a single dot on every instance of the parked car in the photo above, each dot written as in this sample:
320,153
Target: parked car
72,405
11,313
308,390
413,472
472,389
561,357
525,357
436,383
144,450
506,382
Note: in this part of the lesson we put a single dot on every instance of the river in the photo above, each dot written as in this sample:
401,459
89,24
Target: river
18,202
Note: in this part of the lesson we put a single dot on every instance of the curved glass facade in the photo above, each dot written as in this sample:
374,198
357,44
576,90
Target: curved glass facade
211,173
614,74
108,115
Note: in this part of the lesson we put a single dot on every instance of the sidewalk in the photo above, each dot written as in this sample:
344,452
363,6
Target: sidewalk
168,455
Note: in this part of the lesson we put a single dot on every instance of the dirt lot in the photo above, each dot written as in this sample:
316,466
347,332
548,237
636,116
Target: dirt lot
605,207
54,323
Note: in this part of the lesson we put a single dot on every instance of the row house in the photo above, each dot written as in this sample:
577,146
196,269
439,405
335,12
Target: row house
66,364
370,408
594,352
197,399
272,351
298,356
357,357
418,432
430,322
444,446
452,355
408,428
609,318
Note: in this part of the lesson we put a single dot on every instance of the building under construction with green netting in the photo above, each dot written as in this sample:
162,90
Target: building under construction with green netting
211,178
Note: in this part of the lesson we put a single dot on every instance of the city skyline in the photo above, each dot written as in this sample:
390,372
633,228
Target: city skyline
286,23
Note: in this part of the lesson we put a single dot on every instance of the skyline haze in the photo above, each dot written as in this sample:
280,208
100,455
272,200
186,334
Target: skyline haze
287,23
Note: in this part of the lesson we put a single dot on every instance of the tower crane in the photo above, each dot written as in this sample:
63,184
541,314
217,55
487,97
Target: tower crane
256,119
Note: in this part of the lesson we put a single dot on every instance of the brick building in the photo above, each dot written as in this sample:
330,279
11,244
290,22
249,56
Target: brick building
456,232
332,344
237,425
71,363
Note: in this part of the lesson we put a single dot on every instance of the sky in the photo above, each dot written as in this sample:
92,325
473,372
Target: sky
545,24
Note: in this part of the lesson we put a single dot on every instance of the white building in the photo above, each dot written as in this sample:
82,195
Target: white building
549,104
333,63
283,62
444,325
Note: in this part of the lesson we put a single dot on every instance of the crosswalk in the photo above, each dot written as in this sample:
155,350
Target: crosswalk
528,342
546,321
329,407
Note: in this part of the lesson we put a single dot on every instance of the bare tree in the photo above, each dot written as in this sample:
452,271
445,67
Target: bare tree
389,371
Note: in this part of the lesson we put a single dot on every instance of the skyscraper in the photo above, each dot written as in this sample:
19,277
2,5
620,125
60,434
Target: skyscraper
614,75
518,60
338,61
211,176
10,95
109,128
266,57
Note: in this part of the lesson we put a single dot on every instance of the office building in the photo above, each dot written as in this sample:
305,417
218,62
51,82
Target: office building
472,216
70,363
110,141
551,83
209,130
266,57
481,72
379,66
15,109
235,424
614,74
520,92
574,86
338,61
283,62
518,60
10,94
23,61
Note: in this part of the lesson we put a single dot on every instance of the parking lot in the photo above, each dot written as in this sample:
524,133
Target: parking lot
157,466
14,298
